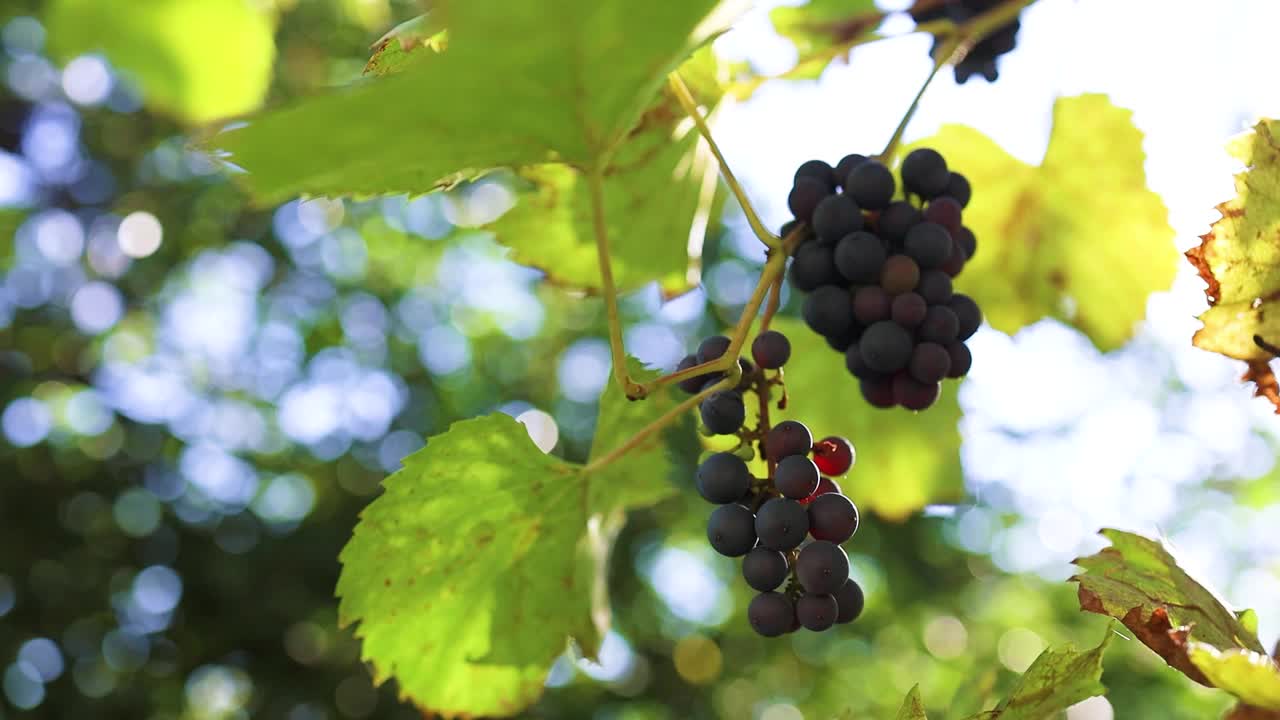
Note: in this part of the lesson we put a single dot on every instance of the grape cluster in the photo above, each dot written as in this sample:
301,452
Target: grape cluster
878,272
787,529
981,58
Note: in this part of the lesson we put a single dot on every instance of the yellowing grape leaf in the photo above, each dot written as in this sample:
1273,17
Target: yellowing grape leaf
1239,258
820,27
1079,237
1254,678
904,460
1057,680
202,61
1137,581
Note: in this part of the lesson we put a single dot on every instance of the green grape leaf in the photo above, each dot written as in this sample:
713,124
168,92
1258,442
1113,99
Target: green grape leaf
1239,259
394,51
912,706
1254,678
520,84
1137,581
904,460
1042,249
819,27
169,48
1057,680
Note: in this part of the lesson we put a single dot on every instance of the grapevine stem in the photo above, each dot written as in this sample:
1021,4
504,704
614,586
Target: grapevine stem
950,47
690,106
620,373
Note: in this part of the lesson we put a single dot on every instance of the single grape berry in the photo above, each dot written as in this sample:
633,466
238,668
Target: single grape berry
850,599
833,455
900,275
817,612
787,227
968,242
961,359
813,266
835,217
771,349
828,310
955,262
908,309
913,394
723,478
935,287
764,569
796,477
968,315
871,185
925,173
958,188
781,524
929,244
788,438
855,364
822,567
886,346
816,170
771,614
841,342
723,412
871,304
940,325
712,348
825,485
731,530
692,385
833,517
859,257
946,212
805,196
896,220
930,362
847,164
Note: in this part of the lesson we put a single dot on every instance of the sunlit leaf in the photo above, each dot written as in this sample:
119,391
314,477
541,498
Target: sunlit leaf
912,706
395,50
1252,677
1080,237
1057,680
819,25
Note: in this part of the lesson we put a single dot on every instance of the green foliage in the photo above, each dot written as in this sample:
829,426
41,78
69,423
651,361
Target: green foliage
1044,247
1054,682
819,25
1252,677
394,50
912,706
167,46
905,460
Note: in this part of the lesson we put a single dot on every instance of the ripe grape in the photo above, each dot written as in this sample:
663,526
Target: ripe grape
833,517
935,287
908,309
930,362
712,348
764,569
771,614
946,212
822,567
886,346
723,412
813,266
796,477
781,524
877,391
940,325
961,359
896,220
900,275
816,170
968,315
723,478
771,349
955,262
841,342
817,612
825,485
913,394
925,173
805,196
850,599
859,257
828,310
855,364
871,304
692,385
731,530
835,217
833,455
958,188
871,185
929,244
968,242
788,438
847,164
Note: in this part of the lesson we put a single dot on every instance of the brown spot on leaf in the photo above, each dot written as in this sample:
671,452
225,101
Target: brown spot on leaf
1058,279
387,582
1156,632
1260,374
1196,256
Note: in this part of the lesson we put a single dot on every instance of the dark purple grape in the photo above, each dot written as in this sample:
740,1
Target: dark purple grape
796,477
968,315
835,217
929,244
929,362
817,612
816,170
925,173
805,196
731,530
940,325
850,600
828,310
908,309
886,346
787,227
833,517
692,385
822,567
771,349
771,614
825,485
968,242
961,359
723,478
813,266
841,342
935,287
855,364
782,523
833,455
846,164
871,185
712,348
723,412
958,188
913,394
877,391
871,304
955,262
946,212
788,438
764,569
896,220
859,257
900,275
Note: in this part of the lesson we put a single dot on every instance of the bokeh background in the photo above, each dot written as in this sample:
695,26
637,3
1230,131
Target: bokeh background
197,397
